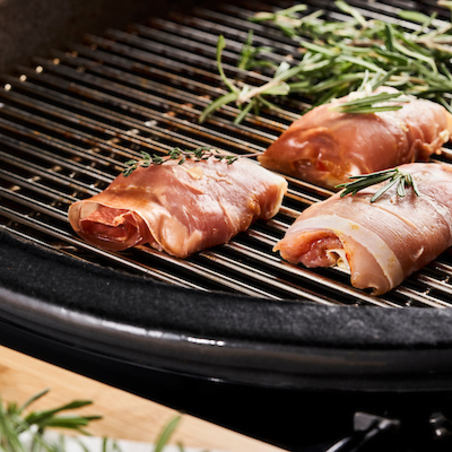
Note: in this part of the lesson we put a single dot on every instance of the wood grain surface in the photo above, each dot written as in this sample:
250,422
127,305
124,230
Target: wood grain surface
125,416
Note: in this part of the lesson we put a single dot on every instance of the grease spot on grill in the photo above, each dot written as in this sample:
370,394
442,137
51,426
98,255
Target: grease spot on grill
64,247
355,324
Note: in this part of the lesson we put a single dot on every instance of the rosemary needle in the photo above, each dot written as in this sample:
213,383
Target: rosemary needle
371,104
166,434
394,176
13,423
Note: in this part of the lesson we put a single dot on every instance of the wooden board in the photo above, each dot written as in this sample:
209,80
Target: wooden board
125,416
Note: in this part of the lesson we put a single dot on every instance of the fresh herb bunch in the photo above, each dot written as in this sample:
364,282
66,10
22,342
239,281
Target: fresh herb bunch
338,57
201,153
14,422
393,176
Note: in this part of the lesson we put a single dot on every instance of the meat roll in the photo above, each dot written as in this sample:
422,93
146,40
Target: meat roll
179,208
326,147
381,242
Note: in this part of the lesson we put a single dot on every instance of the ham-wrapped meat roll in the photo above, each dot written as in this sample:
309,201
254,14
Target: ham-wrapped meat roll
326,146
381,242
179,208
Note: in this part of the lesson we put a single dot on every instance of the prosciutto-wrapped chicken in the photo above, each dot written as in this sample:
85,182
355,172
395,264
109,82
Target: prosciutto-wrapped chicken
326,146
179,208
380,242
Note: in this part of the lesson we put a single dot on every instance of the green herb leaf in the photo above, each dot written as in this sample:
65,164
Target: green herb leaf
220,46
244,112
414,16
166,434
370,104
249,54
283,13
217,104
33,399
393,176
346,8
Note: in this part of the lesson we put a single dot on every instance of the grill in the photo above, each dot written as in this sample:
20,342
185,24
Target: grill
68,124
252,327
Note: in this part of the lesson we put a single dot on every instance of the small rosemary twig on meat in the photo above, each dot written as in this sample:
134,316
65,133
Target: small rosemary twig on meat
393,176
201,153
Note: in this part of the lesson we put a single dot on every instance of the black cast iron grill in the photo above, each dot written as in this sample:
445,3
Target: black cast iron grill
68,125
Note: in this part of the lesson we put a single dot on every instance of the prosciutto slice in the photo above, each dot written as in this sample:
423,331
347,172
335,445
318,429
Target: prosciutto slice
380,243
326,147
179,208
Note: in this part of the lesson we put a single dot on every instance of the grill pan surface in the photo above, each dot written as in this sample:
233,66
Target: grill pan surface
237,312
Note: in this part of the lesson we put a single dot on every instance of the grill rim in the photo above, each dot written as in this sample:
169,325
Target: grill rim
235,339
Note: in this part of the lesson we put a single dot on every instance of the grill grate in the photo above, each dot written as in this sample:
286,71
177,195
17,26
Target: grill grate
68,125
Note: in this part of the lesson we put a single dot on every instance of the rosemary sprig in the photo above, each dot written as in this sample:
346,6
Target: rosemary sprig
335,57
201,153
394,176
246,97
14,423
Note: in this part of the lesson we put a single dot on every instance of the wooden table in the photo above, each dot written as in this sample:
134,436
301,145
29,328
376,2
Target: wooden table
125,416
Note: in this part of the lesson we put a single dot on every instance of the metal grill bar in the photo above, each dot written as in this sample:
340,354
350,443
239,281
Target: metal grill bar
68,126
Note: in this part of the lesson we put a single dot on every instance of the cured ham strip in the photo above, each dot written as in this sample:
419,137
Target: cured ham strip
326,147
380,243
179,208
